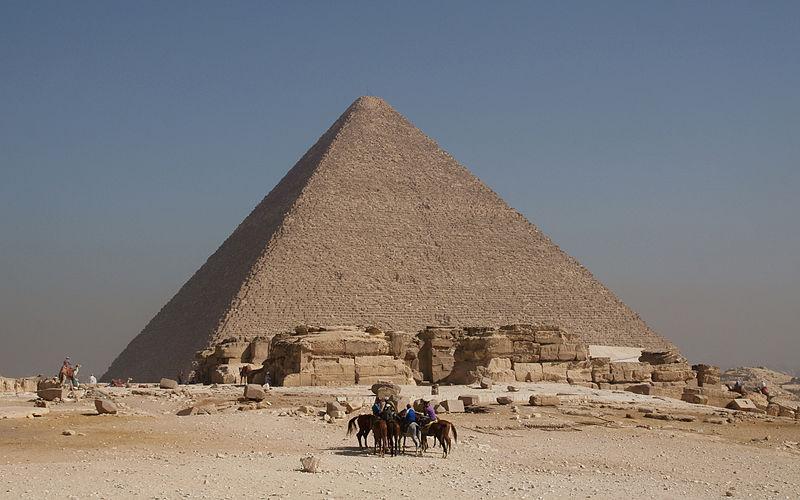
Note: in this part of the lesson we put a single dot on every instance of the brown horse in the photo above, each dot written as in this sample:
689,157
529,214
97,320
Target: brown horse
440,430
380,434
395,433
364,426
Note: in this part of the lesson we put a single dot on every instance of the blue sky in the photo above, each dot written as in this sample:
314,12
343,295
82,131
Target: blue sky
657,143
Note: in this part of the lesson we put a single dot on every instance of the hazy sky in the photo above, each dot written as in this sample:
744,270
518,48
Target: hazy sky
656,142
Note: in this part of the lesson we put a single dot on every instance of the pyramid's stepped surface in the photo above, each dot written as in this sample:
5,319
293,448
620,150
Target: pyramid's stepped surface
377,225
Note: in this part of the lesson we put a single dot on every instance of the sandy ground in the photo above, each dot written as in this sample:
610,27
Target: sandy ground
597,444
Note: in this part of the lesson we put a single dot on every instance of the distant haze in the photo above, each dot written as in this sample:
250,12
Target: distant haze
657,146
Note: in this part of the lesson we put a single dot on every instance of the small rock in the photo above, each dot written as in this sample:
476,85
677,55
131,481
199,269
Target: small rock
486,383
504,400
512,388
68,432
168,383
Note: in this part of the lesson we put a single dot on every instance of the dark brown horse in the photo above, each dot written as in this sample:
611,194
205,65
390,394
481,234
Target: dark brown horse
440,430
364,426
394,434
380,434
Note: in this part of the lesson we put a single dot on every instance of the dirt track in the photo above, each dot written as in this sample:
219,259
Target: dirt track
588,447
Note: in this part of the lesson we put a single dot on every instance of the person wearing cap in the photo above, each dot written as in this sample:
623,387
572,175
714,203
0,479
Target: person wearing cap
430,411
411,415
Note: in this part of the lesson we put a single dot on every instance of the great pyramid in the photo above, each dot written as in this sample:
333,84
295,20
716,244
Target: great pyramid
376,225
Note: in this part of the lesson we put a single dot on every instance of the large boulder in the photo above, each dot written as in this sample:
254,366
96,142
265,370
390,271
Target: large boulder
384,389
254,392
105,406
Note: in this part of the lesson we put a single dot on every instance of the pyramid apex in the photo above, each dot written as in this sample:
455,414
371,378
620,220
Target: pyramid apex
370,102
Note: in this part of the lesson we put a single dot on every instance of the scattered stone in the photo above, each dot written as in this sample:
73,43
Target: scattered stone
486,383
544,400
742,404
434,389
308,410
470,399
254,392
310,463
504,400
68,432
453,405
715,421
105,406
334,410
168,383
512,388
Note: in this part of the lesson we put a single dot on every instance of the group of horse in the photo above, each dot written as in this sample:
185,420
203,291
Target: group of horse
390,433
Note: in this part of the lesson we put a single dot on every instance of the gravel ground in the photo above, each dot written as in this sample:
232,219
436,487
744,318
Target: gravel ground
597,444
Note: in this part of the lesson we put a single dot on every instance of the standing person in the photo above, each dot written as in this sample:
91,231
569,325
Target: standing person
92,379
65,367
73,379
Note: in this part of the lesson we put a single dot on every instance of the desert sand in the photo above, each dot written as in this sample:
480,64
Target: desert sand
595,444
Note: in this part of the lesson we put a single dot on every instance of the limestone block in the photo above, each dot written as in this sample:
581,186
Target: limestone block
742,404
549,337
629,372
51,394
231,351
579,375
470,399
259,351
254,392
548,353
673,372
697,399
504,400
554,372
544,400
528,372
453,405
104,406
167,383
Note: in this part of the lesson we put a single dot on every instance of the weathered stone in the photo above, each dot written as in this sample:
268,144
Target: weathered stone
167,383
504,400
512,388
544,400
697,399
385,389
453,405
352,406
742,404
554,372
334,410
254,392
661,356
486,383
470,399
105,406
528,372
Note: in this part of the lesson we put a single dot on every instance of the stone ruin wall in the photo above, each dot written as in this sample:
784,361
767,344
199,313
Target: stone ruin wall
346,355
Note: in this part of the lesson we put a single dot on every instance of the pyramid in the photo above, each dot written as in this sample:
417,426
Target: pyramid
376,225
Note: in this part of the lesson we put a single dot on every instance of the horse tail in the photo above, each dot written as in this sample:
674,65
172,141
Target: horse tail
455,434
351,426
